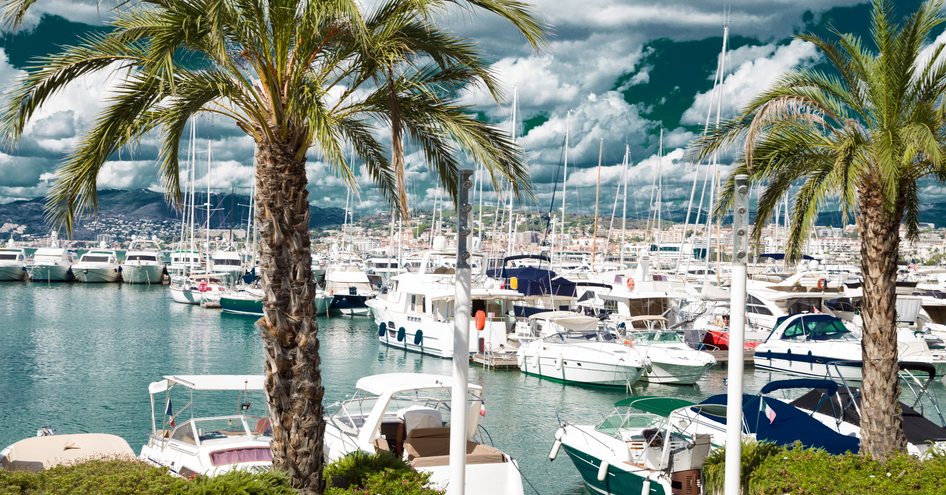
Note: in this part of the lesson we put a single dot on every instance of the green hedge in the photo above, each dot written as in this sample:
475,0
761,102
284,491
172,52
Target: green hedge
356,475
775,470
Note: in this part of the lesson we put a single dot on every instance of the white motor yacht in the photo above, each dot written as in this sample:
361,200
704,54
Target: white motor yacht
51,264
12,264
816,344
97,265
409,414
671,359
142,263
569,348
184,261
350,290
209,445
417,313
228,262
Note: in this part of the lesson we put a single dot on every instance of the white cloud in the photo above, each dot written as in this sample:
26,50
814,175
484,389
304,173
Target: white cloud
94,12
751,77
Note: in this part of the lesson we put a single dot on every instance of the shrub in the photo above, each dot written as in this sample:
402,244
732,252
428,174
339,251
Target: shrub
114,477
776,470
390,482
241,483
354,469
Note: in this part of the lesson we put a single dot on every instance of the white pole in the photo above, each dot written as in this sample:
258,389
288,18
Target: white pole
565,179
737,330
627,158
461,343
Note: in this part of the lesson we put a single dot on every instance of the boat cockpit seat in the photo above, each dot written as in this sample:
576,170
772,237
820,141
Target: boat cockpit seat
264,427
476,454
393,433
430,442
420,417
653,437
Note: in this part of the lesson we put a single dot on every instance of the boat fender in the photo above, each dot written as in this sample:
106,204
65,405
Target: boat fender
520,360
419,338
629,342
119,269
630,284
822,284
645,486
535,357
480,320
382,328
558,362
603,470
555,448
401,334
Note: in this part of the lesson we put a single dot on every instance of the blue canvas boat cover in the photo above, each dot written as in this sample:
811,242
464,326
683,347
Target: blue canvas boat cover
789,425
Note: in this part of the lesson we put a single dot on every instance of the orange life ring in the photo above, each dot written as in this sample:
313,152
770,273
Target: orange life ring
480,319
630,283
822,283
629,342
202,287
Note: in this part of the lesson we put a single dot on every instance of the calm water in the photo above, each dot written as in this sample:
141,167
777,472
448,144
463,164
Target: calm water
80,358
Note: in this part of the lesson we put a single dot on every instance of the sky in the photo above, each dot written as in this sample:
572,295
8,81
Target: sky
615,73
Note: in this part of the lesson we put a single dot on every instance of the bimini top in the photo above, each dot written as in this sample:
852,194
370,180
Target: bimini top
569,320
208,382
400,382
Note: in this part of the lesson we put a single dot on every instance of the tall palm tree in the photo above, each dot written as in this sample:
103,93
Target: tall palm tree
861,134
298,77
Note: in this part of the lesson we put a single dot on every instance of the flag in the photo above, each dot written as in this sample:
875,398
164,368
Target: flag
170,412
769,413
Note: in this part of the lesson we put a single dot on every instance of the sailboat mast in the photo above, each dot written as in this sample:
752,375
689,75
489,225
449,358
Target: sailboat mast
565,179
627,158
512,133
594,230
207,204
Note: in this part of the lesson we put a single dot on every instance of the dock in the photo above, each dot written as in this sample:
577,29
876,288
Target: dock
722,357
496,360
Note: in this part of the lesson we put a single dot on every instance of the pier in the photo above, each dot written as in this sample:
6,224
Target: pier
503,361
722,357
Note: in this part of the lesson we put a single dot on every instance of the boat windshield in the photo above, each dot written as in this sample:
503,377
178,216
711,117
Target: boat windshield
577,337
95,259
817,327
9,256
141,257
623,423
220,428
659,337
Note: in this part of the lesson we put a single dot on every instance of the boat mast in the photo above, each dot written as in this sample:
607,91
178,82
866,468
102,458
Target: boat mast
627,158
207,204
565,178
512,133
193,205
594,230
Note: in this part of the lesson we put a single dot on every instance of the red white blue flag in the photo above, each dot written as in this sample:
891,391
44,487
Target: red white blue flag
170,412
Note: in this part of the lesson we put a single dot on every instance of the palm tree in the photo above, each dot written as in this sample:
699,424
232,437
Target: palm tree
296,76
862,135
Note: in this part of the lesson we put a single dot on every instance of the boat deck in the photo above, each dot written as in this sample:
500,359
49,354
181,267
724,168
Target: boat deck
494,360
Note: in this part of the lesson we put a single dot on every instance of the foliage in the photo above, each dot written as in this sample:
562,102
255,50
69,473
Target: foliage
242,483
113,477
776,470
353,469
390,482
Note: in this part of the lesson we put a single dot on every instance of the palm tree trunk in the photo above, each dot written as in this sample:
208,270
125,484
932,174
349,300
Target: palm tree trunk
292,369
881,421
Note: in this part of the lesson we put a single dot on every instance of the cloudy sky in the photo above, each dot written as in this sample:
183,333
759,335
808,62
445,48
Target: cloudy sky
615,71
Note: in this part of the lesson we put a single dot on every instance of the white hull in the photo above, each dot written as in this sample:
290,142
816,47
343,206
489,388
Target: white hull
12,272
674,374
49,273
97,275
796,367
185,296
435,338
572,363
142,274
675,364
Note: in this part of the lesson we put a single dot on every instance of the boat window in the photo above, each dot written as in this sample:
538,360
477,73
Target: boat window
214,429
184,433
794,331
417,303
95,259
226,262
141,257
237,456
8,256
826,329
755,305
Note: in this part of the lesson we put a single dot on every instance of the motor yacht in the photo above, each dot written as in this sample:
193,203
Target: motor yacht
570,348
207,445
408,414
13,264
142,264
98,266
671,360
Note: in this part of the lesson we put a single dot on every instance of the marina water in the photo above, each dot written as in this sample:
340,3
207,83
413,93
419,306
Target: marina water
80,357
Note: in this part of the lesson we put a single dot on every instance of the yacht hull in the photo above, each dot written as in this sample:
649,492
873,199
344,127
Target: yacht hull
350,304
185,296
564,366
142,274
12,273
50,273
97,275
244,306
806,365
617,481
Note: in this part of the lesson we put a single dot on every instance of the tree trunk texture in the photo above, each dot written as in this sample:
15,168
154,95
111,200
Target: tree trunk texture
881,422
292,368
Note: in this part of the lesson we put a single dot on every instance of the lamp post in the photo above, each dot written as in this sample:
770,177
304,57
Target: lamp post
461,342
737,335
